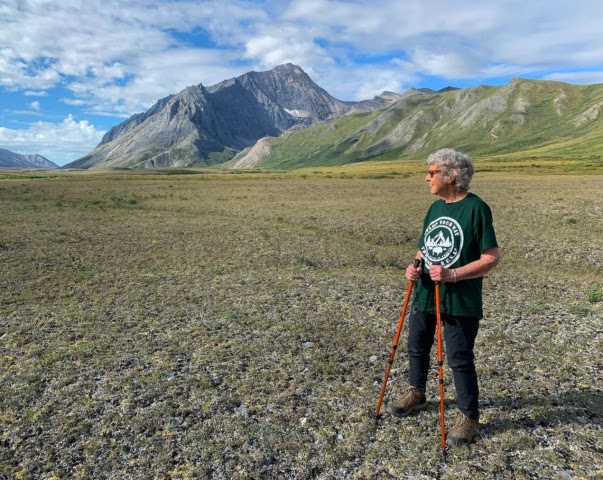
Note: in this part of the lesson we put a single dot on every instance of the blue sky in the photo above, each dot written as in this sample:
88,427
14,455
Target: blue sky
72,69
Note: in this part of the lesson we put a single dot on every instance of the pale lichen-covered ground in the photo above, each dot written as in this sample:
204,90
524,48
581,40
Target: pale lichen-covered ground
238,327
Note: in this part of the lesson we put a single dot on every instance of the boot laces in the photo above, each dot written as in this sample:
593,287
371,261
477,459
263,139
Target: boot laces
412,393
461,420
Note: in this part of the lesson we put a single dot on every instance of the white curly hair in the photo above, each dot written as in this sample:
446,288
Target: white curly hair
455,165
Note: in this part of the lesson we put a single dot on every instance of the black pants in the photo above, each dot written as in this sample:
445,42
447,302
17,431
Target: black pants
459,334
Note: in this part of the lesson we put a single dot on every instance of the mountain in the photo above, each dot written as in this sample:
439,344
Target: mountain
204,126
282,119
527,117
380,101
10,159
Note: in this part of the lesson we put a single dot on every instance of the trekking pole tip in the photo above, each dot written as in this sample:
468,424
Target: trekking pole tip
444,454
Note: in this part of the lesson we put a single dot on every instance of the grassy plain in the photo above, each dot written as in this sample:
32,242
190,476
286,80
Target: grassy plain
190,324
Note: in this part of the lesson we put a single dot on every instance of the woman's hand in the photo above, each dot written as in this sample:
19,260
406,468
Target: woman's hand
440,274
412,273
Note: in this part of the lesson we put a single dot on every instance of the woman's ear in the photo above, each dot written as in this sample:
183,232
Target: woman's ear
454,176
451,177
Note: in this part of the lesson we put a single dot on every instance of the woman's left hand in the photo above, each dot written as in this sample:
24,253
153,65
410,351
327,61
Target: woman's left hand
440,274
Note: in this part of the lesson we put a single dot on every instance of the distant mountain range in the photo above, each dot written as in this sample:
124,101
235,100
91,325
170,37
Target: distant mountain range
282,119
10,159
205,126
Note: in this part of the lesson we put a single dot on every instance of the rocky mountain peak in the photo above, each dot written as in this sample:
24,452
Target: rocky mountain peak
202,126
289,68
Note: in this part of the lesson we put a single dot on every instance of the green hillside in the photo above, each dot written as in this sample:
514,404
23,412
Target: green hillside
523,118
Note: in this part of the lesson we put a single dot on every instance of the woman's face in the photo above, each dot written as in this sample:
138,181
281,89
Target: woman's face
436,183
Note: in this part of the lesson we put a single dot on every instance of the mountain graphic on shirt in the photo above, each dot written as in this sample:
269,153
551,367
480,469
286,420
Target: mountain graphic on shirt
438,243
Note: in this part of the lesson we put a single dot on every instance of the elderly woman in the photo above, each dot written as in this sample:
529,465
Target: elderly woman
457,248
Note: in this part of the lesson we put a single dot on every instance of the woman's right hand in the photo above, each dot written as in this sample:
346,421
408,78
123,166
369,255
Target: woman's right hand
412,273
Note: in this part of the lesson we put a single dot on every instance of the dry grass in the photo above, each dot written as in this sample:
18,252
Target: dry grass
237,326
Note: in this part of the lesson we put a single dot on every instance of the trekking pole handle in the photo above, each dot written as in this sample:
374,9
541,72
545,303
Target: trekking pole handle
436,263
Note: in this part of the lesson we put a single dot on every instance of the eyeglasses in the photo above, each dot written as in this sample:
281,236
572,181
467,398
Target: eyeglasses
432,173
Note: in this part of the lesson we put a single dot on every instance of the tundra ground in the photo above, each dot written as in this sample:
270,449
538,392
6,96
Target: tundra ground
157,326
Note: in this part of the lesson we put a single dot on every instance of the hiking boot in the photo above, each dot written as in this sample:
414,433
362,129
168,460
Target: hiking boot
463,430
412,400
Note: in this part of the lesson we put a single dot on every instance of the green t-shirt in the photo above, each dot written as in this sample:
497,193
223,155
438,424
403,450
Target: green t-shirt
454,234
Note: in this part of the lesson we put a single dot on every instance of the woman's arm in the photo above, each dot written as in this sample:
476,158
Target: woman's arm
486,262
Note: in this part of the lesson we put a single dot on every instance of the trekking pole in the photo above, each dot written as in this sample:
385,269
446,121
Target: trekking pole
416,264
440,366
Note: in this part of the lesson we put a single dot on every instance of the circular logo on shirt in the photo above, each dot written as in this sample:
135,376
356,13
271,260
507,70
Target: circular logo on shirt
442,242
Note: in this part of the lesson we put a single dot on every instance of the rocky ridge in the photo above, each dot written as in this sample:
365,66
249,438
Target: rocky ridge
10,159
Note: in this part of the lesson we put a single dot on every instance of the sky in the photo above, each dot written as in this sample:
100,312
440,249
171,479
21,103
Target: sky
72,69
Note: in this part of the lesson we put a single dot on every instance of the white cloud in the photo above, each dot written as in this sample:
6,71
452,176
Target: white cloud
287,45
73,102
391,24
28,113
111,48
59,142
470,39
353,82
34,106
158,75
446,63
122,56
583,78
